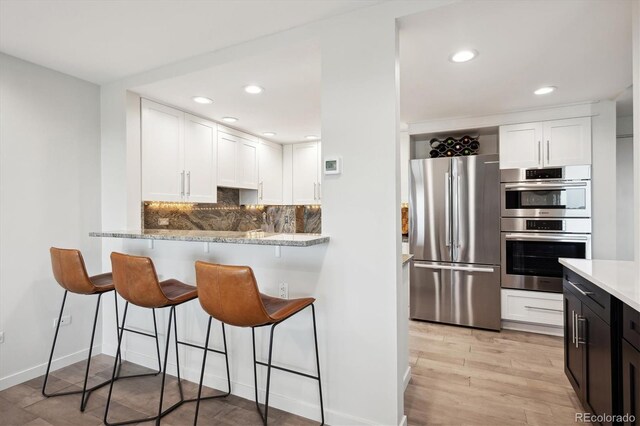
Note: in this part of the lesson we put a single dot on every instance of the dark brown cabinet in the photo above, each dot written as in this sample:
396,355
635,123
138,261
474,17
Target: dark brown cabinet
630,383
591,338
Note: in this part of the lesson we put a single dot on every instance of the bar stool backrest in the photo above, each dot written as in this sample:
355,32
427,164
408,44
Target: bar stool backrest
69,270
230,294
135,279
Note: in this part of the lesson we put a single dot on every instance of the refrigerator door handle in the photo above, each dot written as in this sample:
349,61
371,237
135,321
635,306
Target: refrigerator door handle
455,268
447,213
457,212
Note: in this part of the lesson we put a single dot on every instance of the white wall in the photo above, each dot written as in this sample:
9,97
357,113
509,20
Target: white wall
49,193
624,188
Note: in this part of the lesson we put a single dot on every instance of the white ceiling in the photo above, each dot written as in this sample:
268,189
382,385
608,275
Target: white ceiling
289,106
582,47
101,41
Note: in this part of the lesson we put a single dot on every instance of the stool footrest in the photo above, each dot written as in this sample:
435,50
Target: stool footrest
299,373
138,332
201,347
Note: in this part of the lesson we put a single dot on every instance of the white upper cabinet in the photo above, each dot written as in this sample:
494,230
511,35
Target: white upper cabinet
521,146
200,158
307,187
546,144
178,155
237,162
567,142
270,173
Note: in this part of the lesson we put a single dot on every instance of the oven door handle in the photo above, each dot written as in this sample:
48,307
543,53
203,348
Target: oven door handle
569,239
529,186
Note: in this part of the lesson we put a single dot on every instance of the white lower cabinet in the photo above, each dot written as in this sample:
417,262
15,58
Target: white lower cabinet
533,307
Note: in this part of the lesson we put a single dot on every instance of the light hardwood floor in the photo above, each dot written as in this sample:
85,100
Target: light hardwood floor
476,377
459,376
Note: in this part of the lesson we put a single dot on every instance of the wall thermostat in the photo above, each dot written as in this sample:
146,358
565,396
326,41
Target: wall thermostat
332,165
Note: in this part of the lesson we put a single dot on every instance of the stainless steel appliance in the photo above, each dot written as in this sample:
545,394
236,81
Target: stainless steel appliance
551,192
454,234
546,214
530,249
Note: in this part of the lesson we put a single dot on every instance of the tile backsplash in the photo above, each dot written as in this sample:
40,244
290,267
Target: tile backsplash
228,215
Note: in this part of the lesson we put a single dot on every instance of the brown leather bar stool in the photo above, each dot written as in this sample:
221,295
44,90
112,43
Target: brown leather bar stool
70,272
230,294
136,280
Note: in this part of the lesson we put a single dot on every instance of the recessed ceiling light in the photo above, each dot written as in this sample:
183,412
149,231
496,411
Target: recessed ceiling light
545,90
229,119
463,55
311,137
253,89
268,134
202,100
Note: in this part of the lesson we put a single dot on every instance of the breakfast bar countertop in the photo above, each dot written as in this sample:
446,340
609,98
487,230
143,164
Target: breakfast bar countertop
227,237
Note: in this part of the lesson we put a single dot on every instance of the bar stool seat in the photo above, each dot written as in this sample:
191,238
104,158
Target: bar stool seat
102,282
280,309
178,292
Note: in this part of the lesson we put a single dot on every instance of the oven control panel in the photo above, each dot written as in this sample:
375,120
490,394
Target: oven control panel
544,225
544,173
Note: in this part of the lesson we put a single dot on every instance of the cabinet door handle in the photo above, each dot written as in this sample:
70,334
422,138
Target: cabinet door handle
581,291
573,328
182,183
539,152
261,190
540,308
319,191
188,184
579,339
314,191
547,150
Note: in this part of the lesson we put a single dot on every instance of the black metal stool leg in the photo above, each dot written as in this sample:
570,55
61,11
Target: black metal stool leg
85,396
268,365
155,328
164,368
204,363
175,334
53,346
315,339
115,364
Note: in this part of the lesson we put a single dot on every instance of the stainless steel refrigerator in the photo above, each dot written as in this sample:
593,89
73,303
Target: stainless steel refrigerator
454,235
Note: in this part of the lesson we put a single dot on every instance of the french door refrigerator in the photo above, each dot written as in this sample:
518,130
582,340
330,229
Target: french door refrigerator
454,235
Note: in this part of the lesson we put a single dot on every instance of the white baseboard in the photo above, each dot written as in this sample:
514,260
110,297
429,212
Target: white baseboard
533,328
282,402
404,421
39,370
407,377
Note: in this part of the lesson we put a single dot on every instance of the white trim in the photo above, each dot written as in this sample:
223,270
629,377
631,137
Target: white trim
533,328
407,378
404,421
281,402
524,116
41,369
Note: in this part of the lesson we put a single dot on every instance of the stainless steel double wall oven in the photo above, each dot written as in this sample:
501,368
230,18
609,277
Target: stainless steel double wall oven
546,214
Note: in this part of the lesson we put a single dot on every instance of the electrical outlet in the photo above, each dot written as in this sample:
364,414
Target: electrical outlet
1,336
284,291
286,220
66,320
163,221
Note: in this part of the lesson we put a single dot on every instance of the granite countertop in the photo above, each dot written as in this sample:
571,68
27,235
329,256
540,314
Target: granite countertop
620,279
406,258
228,237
